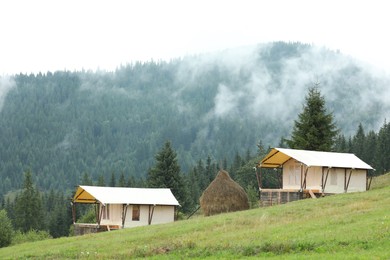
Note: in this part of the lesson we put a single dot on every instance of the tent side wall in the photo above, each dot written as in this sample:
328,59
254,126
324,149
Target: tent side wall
115,215
337,178
293,174
161,214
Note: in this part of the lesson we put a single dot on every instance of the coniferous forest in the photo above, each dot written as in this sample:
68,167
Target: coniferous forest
219,110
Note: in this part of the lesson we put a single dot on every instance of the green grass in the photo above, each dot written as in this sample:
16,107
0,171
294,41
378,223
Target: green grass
346,226
381,181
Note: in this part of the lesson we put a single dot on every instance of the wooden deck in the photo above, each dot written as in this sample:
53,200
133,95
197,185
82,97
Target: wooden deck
269,197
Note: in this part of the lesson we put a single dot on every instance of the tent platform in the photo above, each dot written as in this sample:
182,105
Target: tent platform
88,228
269,197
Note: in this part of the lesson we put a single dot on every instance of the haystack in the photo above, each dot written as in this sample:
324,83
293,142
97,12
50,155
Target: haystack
223,195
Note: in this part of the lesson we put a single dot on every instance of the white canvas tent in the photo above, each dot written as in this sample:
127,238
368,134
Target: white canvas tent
327,172
128,207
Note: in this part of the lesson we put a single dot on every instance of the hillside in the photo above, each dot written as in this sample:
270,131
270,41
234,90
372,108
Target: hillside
347,226
63,124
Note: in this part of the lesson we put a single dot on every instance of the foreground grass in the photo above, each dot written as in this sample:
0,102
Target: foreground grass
347,226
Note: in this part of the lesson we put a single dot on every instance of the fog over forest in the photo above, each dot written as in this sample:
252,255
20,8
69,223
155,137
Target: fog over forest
62,124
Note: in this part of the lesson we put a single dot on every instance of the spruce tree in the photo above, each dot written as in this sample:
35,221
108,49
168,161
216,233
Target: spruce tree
359,142
28,207
122,180
167,174
101,181
315,129
6,230
113,180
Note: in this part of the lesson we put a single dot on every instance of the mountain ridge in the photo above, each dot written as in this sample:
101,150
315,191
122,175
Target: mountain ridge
63,124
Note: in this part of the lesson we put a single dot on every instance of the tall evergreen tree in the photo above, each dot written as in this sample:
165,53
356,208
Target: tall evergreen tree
6,230
28,207
383,149
101,181
167,174
122,180
113,180
315,129
358,143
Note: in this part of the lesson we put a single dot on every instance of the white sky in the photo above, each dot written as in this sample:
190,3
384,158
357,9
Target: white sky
49,35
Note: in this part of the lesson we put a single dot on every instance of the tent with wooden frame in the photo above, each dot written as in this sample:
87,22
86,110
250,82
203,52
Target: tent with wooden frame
315,171
118,207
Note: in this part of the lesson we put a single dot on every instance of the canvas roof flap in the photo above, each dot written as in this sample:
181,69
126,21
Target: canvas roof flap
120,195
278,156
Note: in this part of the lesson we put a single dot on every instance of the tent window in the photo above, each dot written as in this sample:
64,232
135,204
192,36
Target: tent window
106,211
136,212
333,177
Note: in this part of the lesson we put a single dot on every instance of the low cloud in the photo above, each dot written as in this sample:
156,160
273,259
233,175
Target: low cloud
275,89
6,84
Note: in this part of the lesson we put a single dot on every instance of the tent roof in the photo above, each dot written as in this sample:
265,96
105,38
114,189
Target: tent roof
278,156
117,195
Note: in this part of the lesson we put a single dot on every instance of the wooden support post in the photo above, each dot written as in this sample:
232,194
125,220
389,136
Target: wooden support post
301,177
73,212
368,181
97,212
257,177
281,178
312,194
324,181
101,214
347,181
124,213
151,210
260,179
304,180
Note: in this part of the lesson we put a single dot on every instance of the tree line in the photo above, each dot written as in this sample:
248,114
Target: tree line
31,211
64,124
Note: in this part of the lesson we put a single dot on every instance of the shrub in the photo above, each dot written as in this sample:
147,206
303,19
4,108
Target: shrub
30,236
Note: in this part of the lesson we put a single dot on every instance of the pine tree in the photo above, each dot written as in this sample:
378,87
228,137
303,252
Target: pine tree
113,180
383,149
6,230
315,128
358,143
101,181
166,174
28,207
86,180
122,180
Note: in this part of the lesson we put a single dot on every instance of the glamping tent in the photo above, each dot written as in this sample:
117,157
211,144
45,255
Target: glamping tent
127,207
316,172
223,195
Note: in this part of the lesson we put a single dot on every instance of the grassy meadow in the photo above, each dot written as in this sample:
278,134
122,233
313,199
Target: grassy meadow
346,226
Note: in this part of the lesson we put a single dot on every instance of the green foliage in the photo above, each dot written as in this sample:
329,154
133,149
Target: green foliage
6,229
64,124
30,236
166,174
89,216
253,196
28,207
372,148
315,128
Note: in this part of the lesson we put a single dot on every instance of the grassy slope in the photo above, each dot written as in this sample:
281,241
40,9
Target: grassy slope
344,226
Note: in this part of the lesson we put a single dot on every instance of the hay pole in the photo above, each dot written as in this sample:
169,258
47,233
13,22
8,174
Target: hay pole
194,212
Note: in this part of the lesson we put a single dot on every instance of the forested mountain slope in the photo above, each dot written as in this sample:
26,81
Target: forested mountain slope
63,124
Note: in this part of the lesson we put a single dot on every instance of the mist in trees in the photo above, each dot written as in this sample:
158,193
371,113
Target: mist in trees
64,124
109,128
